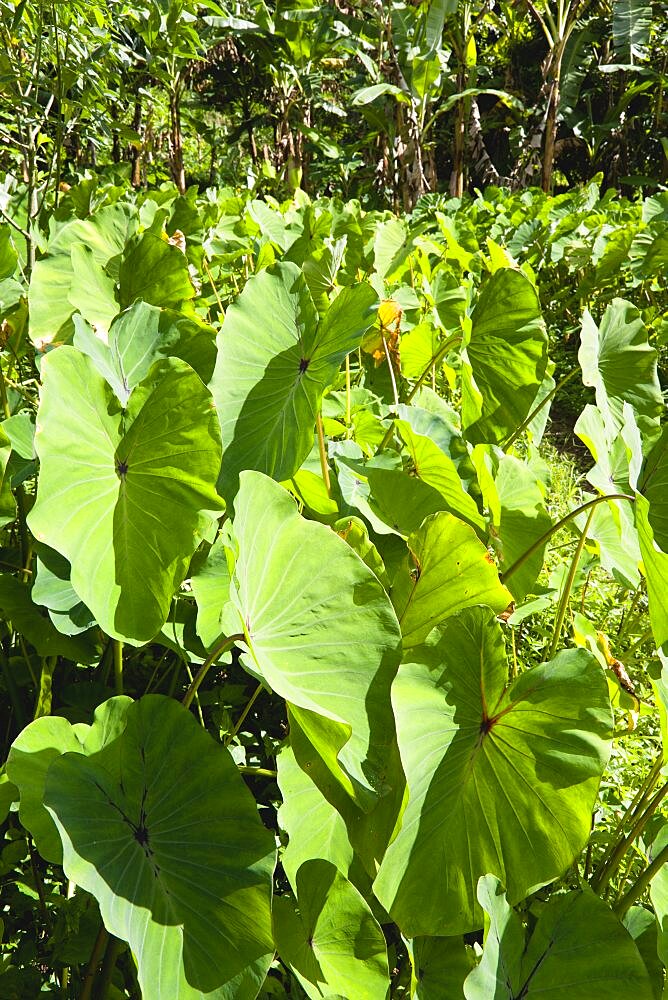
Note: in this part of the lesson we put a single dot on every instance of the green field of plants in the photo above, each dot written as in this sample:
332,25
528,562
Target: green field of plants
333,562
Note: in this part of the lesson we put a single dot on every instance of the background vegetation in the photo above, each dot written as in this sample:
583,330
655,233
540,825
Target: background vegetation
303,307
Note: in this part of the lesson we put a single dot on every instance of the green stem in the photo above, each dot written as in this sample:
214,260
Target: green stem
108,965
435,361
639,642
43,704
438,357
639,886
323,453
242,717
629,814
557,527
93,962
118,666
509,442
395,391
623,845
221,648
568,587
264,772
347,390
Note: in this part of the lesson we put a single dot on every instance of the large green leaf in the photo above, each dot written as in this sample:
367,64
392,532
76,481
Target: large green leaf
518,519
319,629
18,607
440,966
181,869
314,827
155,271
321,821
434,467
577,949
35,749
330,938
127,509
447,568
501,778
631,29
140,336
505,357
654,485
655,567
618,362
274,362
54,278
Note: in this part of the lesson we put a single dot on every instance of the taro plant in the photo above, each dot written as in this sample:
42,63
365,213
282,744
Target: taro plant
297,701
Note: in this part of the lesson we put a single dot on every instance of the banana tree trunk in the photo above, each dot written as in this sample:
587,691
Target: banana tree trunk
176,139
551,130
136,150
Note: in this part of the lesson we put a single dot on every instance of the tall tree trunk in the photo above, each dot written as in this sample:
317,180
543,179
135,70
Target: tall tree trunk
136,150
176,138
459,146
551,127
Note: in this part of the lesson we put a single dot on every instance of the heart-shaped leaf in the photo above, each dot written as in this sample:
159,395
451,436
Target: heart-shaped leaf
159,827
505,357
501,778
577,949
122,494
34,750
330,938
320,630
617,360
447,569
275,359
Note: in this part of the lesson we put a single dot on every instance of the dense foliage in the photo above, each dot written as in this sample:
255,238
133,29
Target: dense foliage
382,101
322,673
328,530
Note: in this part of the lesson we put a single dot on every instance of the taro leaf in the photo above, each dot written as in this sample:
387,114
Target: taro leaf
330,938
35,749
440,966
7,504
659,889
617,360
447,568
274,362
319,628
54,279
159,827
155,271
323,822
126,510
505,358
210,581
398,500
53,590
92,290
8,255
654,486
655,567
9,794
500,779
641,923
522,520
18,607
139,337
314,827
577,949
437,469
